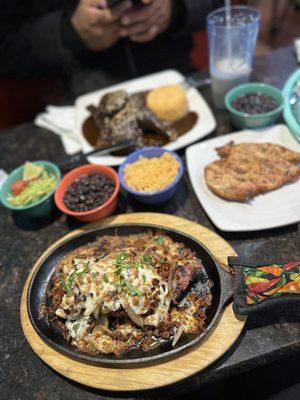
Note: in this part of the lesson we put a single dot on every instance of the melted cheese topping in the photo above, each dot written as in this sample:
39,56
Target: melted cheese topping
95,287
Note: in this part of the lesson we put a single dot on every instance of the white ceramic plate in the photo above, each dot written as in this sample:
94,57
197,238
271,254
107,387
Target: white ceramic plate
277,208
206,122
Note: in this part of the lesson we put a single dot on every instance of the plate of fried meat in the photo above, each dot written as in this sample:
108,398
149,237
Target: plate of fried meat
249,180
155,110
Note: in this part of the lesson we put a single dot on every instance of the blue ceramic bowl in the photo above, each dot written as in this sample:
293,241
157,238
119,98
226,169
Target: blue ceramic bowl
41,207
154,198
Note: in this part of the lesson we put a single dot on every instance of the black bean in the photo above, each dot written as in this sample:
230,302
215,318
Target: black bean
88,192
254,103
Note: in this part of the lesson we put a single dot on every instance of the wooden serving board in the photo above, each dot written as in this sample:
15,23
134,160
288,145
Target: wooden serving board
213,346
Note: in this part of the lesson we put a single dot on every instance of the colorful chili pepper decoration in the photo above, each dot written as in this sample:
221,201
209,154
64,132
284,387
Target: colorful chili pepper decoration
274,280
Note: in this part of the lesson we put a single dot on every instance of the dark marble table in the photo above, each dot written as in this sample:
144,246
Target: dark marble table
266,337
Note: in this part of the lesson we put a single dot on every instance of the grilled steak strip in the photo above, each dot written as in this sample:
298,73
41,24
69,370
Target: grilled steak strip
183,276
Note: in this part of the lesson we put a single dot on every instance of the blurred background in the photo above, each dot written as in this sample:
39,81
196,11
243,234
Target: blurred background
22,99
280,25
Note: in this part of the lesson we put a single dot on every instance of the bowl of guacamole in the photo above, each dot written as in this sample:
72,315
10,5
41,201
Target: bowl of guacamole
29,188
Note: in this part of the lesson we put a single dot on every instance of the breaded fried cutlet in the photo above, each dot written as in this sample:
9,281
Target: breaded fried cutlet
249,169
268,149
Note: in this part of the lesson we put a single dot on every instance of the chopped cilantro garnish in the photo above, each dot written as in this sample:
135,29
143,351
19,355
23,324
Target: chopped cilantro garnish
144,278
71,279
76,327
64,285
139,265
120,262
68,283
159,240
147,258
121,257
129,340
105,278
83,272
134,291
122,281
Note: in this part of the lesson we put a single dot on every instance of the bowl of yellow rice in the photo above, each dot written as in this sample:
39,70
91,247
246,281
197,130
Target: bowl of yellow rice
151,174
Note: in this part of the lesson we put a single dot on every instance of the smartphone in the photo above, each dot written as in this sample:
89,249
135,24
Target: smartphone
111,3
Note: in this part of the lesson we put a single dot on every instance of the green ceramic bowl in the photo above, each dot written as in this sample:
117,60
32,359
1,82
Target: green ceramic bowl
41,207
288,115
253,121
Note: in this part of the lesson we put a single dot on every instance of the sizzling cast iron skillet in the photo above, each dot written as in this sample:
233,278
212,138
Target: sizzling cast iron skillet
221,292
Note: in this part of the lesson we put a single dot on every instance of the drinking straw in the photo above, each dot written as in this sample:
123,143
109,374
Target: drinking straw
228,25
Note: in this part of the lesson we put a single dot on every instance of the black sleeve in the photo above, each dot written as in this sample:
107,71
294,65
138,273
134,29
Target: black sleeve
30,46
70,39
189,16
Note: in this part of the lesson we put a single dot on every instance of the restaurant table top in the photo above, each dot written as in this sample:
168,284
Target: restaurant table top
266,337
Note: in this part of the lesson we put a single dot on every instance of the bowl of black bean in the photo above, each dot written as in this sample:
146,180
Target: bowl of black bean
254,105
88,193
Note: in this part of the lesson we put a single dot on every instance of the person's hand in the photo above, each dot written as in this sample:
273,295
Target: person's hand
144,22
98,26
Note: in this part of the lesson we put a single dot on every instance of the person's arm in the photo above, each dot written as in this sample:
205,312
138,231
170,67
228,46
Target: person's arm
30,48
45,45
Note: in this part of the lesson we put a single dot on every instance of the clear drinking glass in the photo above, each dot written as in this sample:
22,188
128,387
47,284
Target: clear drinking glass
232,34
